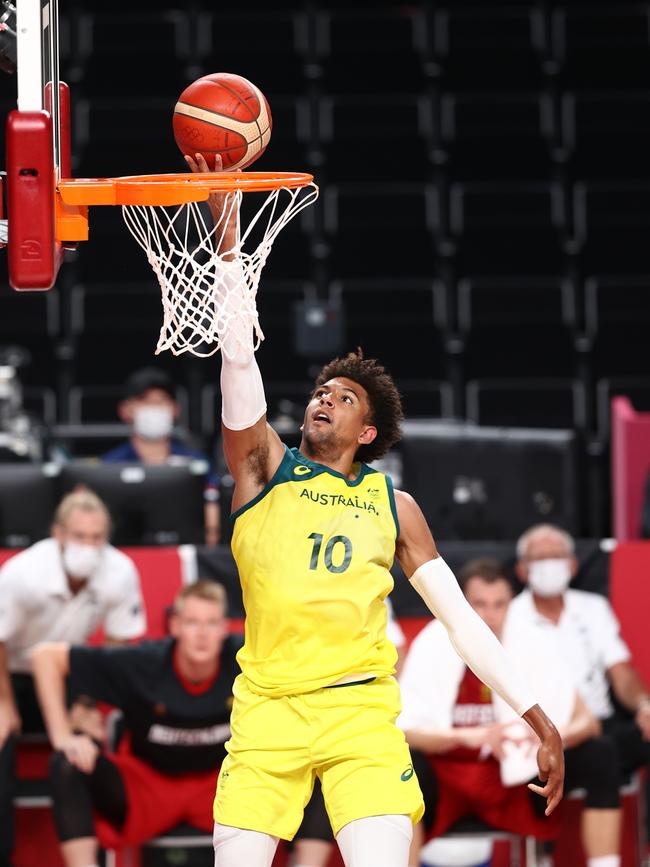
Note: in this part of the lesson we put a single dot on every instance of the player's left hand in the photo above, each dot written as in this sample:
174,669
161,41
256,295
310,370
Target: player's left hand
550,764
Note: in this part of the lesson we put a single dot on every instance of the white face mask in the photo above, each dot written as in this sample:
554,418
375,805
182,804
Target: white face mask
153,422
549,577
81,561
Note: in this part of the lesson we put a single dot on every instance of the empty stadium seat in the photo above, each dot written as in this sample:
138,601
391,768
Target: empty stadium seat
377,52
156,45
365,137
497,135
380,230
114,309
267,47
617,318
114,137
612,222
603,45
490,47
506,228
518,302
617,302
540,403
607,134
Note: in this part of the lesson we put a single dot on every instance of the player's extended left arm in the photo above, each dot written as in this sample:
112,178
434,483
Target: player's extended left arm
475,643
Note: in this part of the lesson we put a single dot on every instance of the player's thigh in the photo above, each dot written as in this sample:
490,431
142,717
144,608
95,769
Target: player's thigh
266,779
367,768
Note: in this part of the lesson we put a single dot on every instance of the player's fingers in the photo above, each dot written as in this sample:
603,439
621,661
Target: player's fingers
539,790
191,163
218,162
201,163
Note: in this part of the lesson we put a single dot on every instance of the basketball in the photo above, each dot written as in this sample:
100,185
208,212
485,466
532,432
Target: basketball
223,114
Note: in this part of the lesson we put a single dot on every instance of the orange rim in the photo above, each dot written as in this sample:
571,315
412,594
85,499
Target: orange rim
172,189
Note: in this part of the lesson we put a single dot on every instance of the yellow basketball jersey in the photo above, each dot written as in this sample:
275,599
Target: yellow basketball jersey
314,551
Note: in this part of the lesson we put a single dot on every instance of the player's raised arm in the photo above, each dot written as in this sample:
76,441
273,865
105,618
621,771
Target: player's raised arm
252,449
474,640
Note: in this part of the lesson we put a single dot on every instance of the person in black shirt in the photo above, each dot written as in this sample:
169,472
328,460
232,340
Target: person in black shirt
175,696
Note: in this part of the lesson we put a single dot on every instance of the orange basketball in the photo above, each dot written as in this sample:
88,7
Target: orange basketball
223,114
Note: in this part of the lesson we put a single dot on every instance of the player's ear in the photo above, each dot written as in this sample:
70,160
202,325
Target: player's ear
367,435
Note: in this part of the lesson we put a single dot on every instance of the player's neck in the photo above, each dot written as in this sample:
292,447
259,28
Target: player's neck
339,462
151,451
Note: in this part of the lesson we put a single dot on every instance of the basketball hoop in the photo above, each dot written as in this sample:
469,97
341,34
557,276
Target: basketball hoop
204,285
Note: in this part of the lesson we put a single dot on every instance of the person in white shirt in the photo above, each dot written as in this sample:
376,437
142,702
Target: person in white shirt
60,589
469,752
584,629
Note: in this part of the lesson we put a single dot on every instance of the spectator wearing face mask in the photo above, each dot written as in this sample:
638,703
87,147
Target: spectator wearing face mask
585,631
60,589
150,408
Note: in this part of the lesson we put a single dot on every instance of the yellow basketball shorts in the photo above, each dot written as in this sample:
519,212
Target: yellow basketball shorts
344,735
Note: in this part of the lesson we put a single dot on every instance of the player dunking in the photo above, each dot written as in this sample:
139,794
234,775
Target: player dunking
315,534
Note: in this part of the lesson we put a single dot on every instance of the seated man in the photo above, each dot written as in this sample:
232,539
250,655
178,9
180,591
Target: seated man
175,695
60,589
463,745
149,406
584,630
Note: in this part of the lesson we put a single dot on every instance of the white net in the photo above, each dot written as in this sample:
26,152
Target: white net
208,269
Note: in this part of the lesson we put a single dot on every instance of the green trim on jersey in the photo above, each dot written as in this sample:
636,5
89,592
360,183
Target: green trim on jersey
393,504
290,471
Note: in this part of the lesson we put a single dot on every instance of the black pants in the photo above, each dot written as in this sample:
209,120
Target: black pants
30,713
76,795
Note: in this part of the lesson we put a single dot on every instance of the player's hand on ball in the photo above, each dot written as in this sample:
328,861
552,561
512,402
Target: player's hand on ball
219,203
80,751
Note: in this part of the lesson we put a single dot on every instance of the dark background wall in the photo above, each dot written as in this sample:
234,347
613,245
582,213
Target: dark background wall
483,221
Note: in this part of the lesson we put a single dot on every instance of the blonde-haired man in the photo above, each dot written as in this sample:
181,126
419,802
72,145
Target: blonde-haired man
60,589
176,696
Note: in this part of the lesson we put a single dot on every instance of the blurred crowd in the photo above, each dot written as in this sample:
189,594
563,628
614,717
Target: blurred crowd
156,764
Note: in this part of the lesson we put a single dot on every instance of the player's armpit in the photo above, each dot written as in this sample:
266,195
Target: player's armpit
415,544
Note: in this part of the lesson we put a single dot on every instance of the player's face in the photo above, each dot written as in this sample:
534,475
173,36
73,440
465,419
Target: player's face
83,528
336,417
490,600
199,628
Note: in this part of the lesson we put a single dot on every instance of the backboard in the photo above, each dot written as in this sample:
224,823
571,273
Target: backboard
38,148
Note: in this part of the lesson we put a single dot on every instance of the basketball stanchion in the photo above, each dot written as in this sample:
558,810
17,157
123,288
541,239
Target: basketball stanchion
206,279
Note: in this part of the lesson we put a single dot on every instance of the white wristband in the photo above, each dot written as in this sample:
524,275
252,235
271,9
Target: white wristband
473,640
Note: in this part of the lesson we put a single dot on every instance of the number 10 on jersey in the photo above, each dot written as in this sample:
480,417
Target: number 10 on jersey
331,552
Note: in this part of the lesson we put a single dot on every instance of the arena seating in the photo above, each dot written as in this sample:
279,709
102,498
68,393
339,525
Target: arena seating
480,146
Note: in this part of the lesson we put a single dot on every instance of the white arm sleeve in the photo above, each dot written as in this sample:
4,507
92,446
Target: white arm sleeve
242,390
472,639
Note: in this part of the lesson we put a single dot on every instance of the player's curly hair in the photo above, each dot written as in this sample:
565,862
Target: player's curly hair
386,413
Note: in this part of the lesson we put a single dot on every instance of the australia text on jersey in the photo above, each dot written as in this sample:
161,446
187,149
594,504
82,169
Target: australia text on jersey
339,500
